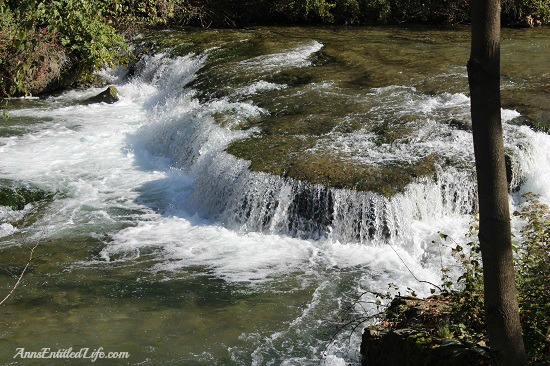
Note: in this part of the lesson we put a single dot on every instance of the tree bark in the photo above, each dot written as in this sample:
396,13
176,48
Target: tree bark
501,305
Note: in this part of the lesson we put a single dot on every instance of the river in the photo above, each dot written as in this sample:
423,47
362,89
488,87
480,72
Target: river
190,222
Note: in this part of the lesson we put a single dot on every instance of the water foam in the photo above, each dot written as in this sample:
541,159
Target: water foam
258,87
7,229
297,57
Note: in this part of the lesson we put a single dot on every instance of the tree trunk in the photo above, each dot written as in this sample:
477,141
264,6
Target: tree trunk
501,305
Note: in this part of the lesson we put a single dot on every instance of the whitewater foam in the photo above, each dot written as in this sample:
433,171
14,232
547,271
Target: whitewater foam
297,57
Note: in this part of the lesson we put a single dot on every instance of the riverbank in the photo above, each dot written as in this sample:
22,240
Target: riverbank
48,48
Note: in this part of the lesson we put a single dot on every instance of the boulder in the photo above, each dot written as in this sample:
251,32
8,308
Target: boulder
416,348
109,96
17,196
529,21
411,335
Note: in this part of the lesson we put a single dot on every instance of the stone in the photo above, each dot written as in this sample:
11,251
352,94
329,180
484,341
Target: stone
528,21
109,96
409,337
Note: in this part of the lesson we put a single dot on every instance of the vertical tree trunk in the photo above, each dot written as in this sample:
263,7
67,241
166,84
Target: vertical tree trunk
501,305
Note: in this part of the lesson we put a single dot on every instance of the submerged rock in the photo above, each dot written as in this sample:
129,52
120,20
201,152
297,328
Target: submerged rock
18,196
109,96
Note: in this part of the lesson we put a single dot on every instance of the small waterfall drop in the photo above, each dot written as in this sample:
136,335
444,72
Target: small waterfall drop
225,190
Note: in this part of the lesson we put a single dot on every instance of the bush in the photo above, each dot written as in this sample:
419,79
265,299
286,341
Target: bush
81,29
532,266
514,11
466,295
533,277
49,38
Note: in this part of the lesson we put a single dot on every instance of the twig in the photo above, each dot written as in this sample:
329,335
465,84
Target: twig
411,272
356,322
21,275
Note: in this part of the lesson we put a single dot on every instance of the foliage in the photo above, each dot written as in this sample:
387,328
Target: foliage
8,33
517,10
82,31
532,265
45,43
466,294
533,276
28,58
74,31
320,9
230,12
146,11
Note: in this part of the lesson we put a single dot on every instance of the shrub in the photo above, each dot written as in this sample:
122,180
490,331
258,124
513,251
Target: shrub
82,31
49,38
466,295
532,266
533,276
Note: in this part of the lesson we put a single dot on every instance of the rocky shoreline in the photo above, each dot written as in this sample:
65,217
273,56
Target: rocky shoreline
416,332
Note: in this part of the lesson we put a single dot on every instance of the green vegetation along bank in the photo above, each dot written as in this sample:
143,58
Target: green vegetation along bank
48,45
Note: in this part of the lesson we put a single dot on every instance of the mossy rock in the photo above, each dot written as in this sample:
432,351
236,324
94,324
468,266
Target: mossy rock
324,57
287,156
390,132
292,78
412,335
310,125
540,122
272,154
109,96
18,196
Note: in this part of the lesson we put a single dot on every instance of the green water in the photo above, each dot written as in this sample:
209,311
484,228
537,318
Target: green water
189,318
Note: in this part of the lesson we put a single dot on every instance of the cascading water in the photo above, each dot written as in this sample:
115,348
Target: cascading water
225,190
216,263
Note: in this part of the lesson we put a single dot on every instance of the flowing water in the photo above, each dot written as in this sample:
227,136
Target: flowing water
167,235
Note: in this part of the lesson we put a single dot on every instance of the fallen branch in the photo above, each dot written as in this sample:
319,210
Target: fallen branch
22,274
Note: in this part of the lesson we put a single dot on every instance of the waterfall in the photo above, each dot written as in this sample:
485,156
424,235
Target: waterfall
226,191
